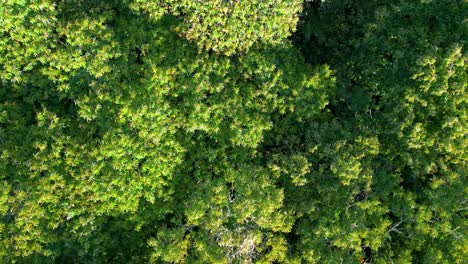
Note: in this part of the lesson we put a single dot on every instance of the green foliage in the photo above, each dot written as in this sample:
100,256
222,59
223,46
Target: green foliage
401,78
229,26
196,132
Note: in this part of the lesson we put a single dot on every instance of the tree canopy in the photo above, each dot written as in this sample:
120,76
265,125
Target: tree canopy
233,131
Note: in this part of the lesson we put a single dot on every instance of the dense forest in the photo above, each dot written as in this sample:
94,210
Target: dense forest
233,131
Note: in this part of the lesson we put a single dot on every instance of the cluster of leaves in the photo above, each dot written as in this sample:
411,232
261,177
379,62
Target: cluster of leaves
195,131
228,27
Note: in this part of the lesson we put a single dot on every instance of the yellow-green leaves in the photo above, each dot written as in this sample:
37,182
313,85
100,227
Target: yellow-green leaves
228,27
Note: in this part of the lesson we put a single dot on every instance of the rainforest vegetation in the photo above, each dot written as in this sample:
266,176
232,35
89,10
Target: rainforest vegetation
233,131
